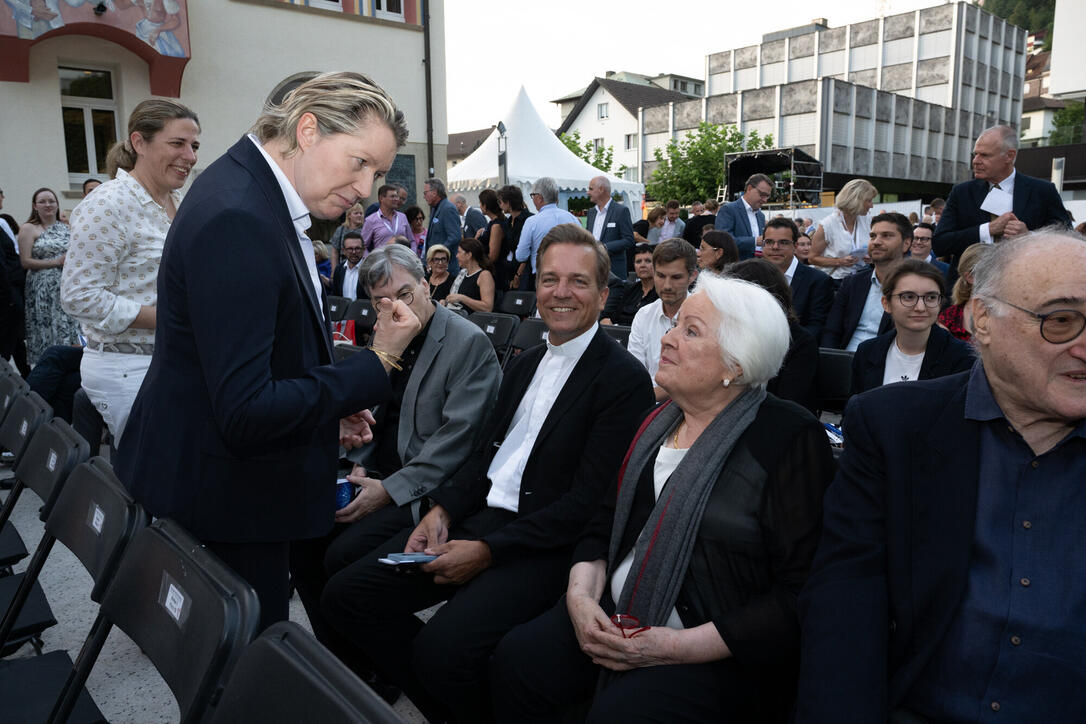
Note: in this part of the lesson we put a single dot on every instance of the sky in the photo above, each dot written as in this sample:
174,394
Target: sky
552,49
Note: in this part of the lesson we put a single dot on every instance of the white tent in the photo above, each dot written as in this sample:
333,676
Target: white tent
533,151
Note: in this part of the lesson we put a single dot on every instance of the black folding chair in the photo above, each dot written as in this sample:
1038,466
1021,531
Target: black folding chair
522,304
834,379
49,458
499,328
337,308
187,611
530,332
25,413
11,387
363,314
620,333
96,519
285,675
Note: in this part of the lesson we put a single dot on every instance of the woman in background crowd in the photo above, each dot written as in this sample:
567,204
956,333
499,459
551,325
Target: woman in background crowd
803,249
496,239
355,217
681,603
324,262
110,284
952,318
716,251
915,349
473,288
844,230
643,227
437,272
511,201
417,219
621,308
43,245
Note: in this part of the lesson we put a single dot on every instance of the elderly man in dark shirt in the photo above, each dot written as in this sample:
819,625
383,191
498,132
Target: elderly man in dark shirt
948,585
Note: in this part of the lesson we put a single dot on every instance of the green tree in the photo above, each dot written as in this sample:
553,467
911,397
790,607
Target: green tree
1033,15
693,168
1067,125
601,157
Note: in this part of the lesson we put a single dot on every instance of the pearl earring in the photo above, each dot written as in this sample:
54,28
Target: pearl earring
727,382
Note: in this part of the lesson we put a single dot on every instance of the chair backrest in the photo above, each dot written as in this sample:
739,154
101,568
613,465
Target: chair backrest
11,386
341,352
530,332
186,610
618,332
363,314
499,328
521,304
25,416
49,459
285,675
337,308
834,379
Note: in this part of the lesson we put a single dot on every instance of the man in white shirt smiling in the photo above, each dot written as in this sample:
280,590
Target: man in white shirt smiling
504,525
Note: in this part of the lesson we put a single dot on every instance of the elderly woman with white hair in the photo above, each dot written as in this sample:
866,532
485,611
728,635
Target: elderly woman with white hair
681,601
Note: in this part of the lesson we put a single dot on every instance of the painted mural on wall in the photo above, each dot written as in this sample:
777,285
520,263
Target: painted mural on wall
159,23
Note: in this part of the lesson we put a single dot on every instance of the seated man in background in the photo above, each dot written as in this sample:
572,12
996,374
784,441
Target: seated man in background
504,526
947,585
915,349
675,267
425,431
812,291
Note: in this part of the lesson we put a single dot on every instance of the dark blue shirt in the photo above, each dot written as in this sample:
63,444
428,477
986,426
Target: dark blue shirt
1016,649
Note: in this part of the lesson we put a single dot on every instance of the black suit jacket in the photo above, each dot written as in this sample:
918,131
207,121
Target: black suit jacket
1036,203
848,307
576,454
617,234
893,561
944,355
234,432
337,282
812,298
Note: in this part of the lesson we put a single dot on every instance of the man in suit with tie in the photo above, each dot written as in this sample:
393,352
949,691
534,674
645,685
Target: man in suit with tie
812,291
1035,203
947,586
505,523
444,221
609,222
743,218
471,219
235,429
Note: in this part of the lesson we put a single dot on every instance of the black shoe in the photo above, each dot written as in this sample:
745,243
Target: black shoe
389,692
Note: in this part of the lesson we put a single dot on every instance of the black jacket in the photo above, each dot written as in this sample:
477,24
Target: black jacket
848,307
944,355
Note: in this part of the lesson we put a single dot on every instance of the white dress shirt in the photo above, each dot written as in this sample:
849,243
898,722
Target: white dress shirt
667,231
1007,185
649,326
601,220
550,377
752,217
10,234
299,215
350,280
791,269
871,317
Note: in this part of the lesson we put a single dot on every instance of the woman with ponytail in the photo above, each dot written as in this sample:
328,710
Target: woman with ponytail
110,278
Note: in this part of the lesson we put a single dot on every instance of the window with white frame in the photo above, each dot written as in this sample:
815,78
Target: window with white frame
603,111
631,141
89,116
388,9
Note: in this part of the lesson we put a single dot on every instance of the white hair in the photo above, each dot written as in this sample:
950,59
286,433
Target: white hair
753,331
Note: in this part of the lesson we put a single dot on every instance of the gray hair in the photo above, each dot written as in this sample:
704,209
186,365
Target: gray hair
459,198
377,267
437,185
1007,136
991,269
753,331
340,102
546,187
604,182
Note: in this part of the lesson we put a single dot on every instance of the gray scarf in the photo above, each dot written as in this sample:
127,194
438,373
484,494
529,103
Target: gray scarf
663,549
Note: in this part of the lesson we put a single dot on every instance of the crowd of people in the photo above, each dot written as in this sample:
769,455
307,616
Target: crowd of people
655,532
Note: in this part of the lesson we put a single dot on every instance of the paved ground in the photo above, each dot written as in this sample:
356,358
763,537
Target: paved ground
124,684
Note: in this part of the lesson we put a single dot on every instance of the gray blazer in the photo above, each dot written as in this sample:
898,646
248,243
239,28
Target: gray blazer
452,388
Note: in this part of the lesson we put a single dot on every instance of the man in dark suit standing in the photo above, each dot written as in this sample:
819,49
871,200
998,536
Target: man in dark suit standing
444,221
1034,203
609,222
471,219
947,585
743,218
505,524
347,278
812,291
234,432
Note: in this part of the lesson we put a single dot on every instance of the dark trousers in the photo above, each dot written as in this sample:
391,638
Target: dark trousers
539,673
264,567
56,378
442,667
312,561
13,330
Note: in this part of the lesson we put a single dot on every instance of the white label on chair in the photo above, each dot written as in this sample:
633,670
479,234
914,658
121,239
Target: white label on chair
22,428
98,517
543,336
490,329
52,462
365,312
175,601
518,302
7,401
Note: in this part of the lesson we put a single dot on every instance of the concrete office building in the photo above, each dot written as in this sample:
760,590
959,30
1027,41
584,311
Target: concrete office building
897,99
